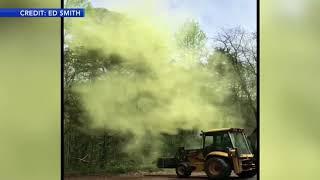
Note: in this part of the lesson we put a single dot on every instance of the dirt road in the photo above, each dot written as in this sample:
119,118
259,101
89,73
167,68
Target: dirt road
145,177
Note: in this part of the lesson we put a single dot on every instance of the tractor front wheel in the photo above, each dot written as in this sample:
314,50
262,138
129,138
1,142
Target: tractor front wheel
217,168
183,170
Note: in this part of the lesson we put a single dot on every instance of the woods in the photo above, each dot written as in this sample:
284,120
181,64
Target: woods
91,148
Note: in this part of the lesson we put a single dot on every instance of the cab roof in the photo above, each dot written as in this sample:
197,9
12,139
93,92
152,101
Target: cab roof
223,130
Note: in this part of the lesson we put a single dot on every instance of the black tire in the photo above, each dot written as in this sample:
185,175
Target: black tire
247,174
183,170
217,168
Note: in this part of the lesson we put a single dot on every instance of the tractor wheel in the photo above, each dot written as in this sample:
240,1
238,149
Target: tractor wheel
183,170
217,168
247,174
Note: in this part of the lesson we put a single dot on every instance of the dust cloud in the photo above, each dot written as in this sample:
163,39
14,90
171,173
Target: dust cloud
154,90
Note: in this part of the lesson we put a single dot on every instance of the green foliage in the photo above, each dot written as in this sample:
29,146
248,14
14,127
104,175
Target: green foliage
119,65
77,3
190,36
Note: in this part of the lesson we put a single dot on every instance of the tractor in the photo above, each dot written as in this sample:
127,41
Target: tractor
223,151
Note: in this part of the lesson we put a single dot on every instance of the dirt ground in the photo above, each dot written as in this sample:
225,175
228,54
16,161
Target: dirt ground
198,176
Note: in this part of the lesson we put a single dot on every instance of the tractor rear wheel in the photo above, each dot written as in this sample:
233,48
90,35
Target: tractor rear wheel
183,170
217,168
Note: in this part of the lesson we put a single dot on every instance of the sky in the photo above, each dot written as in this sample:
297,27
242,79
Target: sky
211,14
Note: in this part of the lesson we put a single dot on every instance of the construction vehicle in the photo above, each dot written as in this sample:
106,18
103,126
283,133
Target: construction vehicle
223,151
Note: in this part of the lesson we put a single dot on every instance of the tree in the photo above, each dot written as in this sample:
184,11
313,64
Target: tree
94,150
89,151
239,47
77,3
191,42
190,36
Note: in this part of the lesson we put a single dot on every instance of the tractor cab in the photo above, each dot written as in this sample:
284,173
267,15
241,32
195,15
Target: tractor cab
225,140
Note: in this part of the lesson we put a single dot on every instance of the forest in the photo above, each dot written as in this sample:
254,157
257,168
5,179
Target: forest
132,93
